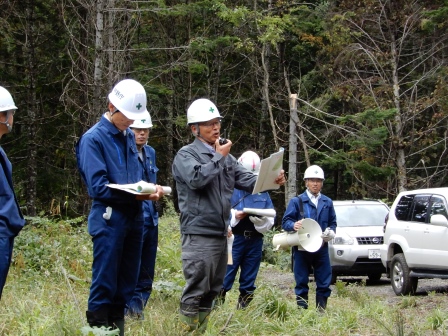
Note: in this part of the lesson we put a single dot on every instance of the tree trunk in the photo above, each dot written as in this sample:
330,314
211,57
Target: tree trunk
32,107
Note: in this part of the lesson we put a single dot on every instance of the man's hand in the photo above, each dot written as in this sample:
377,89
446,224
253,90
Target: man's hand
281,178
151,197
328,235
257,220
297,225
224,149
240,215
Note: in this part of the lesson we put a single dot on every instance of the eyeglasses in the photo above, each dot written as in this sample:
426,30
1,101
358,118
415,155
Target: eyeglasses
210,123
315,180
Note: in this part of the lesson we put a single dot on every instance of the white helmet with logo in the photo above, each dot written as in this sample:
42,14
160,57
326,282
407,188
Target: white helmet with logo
314,172
6,101
129,97
202,110
144,122
251,161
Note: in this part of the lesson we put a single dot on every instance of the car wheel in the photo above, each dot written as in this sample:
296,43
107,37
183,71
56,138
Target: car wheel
374,276
400,279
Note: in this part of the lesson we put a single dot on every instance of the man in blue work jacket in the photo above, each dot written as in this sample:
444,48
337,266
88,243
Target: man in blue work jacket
312,204
11,218
107,153
147,159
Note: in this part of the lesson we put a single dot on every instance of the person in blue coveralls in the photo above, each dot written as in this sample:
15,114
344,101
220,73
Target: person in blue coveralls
206,175
107,154
147,158
11,218
248,236
312,204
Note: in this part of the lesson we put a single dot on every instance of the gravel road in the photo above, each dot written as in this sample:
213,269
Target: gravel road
381,288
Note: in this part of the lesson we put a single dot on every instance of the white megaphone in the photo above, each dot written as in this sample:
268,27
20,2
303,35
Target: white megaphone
307,238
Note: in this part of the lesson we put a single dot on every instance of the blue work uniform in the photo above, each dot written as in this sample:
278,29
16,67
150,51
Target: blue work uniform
150,236
325,215
247,246
11,218
107,155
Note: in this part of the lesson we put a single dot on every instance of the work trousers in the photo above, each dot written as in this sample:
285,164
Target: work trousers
204,261
320,262
147,269
246,255
117,245
6,246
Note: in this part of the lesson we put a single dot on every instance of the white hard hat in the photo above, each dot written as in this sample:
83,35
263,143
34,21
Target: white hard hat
251,161
129,97
314,172
144,122
202,110
6,101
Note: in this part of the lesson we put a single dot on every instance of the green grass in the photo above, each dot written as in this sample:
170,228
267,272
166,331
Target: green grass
48,285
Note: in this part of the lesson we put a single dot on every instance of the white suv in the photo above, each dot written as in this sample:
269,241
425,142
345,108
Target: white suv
416,239
356,248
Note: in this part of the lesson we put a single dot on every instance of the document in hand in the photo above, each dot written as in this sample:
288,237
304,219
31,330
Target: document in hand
269,170
139,188
260,212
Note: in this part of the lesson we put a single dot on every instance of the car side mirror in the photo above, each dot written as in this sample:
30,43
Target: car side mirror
439,220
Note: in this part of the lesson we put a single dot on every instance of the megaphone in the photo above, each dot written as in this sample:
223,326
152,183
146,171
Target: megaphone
307,238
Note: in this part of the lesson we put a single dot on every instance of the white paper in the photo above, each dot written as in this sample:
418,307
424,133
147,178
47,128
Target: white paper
269,170
260,212
139,188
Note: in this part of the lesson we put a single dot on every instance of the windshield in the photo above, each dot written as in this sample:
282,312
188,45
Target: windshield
361,215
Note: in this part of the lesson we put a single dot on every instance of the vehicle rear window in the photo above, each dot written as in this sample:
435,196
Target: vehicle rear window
403,207
420,209
360,215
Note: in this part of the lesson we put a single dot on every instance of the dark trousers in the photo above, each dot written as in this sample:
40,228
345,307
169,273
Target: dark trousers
147,269
6,246
204,261
117,245
320,262
246,254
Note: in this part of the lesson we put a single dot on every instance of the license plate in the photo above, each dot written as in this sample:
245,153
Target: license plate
374,254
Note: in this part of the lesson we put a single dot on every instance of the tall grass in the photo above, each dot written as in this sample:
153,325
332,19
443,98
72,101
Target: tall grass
48,286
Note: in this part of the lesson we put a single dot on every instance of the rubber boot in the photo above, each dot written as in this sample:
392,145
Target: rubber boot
321,303
98,318
116,317
220,298
302,301
244,300
204,316
119,324
189,323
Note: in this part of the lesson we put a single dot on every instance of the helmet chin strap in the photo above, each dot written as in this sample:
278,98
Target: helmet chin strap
7,122
198,134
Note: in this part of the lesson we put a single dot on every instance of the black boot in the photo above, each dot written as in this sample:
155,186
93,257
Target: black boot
321,303
244,300
220,298
302,301
98,318
116,318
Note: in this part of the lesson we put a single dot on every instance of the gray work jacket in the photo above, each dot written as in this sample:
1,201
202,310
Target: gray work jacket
205,184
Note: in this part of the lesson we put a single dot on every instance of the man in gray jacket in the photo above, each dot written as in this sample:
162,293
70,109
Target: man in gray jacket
206,175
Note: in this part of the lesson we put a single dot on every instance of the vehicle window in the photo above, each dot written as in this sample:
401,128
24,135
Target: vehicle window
360,215
403,207
438,206
420,208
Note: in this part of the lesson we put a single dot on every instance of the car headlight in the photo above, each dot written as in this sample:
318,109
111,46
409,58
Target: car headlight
340,240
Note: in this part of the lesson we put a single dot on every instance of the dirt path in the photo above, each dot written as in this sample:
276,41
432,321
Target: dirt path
381,288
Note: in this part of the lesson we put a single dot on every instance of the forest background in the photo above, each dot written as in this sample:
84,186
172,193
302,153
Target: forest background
358,87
